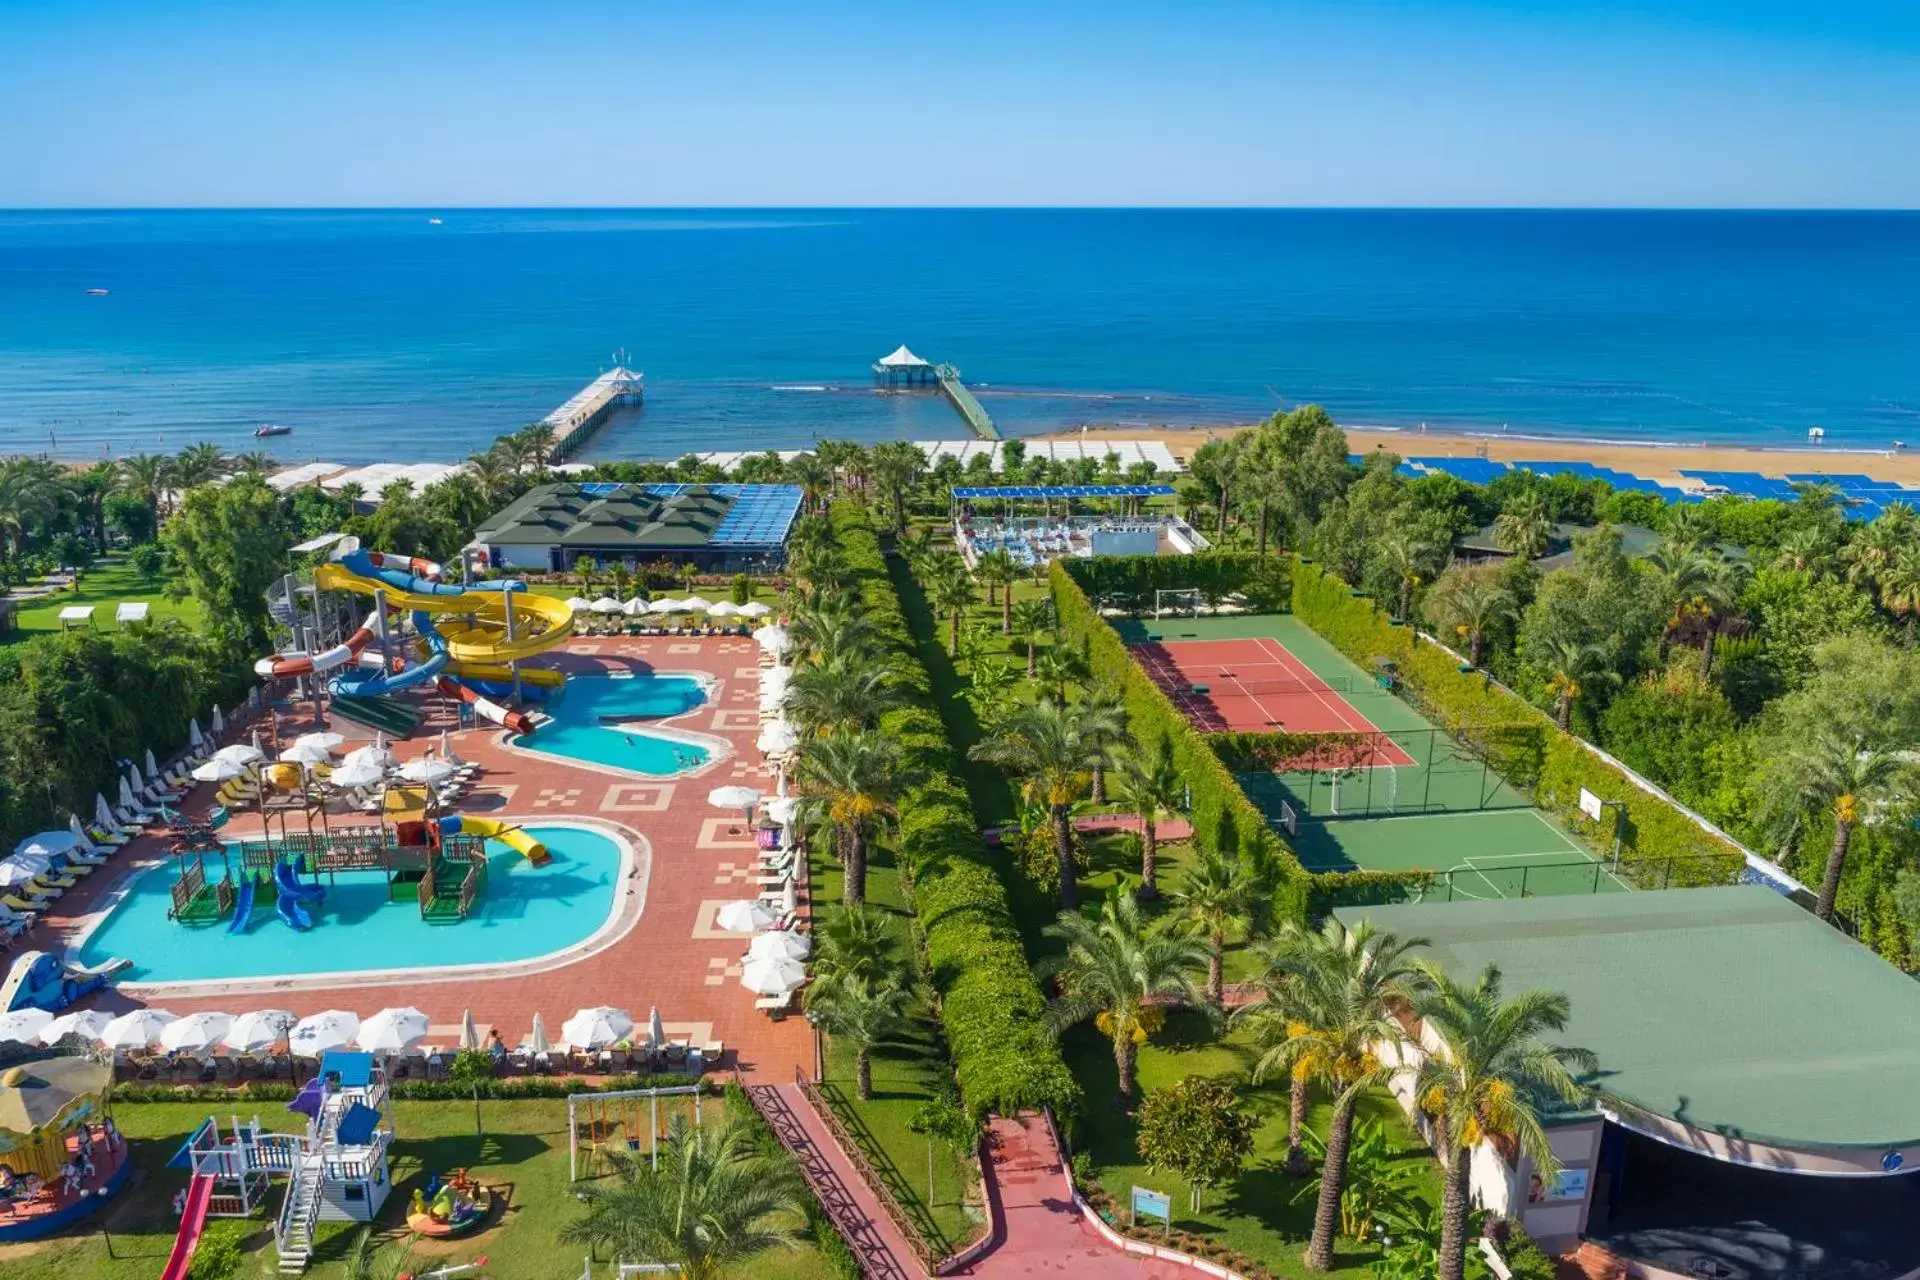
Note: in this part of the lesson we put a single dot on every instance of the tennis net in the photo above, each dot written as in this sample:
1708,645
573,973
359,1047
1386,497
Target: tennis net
1227,684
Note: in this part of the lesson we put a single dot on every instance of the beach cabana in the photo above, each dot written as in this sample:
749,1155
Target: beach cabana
901,368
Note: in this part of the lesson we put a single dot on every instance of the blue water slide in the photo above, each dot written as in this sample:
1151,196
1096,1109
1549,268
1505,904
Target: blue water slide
504,689
294,896
358,684
242,907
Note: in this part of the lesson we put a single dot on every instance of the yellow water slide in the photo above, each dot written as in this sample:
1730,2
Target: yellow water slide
473,621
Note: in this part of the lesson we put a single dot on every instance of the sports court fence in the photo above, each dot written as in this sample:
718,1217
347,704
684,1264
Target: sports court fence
1386,772
1494,878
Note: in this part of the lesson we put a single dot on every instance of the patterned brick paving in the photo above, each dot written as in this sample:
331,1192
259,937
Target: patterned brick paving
670,957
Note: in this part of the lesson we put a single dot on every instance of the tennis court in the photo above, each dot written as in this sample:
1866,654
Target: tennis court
1513,853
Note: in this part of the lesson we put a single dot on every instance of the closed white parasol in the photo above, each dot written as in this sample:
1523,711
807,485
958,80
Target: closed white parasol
745,916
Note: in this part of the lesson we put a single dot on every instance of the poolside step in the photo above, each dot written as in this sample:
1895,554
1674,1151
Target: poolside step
384,715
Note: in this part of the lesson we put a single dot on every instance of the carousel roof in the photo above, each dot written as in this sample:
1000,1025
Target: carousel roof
34,1095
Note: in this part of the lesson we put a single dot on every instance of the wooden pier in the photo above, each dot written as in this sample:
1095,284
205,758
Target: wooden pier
904,371
574,421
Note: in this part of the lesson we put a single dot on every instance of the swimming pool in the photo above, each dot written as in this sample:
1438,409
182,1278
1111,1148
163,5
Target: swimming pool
593,720
526,912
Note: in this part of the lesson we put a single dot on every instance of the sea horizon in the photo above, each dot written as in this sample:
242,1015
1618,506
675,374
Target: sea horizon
378,335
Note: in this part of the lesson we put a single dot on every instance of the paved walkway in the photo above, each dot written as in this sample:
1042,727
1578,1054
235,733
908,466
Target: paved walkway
884,1255
1041,1234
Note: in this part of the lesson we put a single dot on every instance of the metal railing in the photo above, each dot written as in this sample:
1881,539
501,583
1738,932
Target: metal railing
869,1176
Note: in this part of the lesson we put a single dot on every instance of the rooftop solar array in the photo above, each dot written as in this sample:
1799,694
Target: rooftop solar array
1472,470
1748,484
1065,491
761,515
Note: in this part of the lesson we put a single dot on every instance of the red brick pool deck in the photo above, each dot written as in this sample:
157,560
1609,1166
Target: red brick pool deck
671,955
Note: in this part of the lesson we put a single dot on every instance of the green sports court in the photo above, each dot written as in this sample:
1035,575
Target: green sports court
1448,811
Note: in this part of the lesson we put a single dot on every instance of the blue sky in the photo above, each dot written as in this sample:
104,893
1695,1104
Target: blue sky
1287,102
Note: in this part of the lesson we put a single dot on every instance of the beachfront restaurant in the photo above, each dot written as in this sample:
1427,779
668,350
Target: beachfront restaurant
1037,524
1753,1115
717,528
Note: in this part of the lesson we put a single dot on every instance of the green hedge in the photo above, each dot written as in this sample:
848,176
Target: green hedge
1262,579
1224,820
509,1089
1004,1052
1523,743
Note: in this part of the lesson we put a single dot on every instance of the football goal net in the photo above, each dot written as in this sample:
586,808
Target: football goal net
1183,602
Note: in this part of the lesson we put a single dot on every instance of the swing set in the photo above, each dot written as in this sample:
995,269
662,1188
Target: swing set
597,1122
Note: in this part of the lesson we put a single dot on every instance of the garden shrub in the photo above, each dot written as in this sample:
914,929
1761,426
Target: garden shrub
218,1256
1004,1052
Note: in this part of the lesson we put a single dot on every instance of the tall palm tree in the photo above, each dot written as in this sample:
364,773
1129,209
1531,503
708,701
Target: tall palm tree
950,588
998,570
1103,718
1524,528
149,475
1492,1068
1409,557
1900,588
493,471
1354,979
1117,970
253,462
833,628
29,496
1149,783
1049,746
848,693
1573,665
709,1199
897,468
1470,604
855,942
865,1013
1032,619
1281,1009
1060,665
857,780
1839,771
1804,550
197,464
1872,548
1219,895
814,476
90,490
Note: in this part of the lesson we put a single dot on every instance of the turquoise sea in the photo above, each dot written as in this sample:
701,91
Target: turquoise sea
381,336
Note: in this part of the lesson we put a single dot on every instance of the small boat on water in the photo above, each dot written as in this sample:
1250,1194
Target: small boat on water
97,293
433,222
271,429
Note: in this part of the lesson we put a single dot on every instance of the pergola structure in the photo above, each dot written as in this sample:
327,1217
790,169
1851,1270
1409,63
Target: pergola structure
902,368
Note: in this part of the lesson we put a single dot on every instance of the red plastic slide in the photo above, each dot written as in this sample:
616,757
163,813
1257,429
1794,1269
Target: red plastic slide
192,1220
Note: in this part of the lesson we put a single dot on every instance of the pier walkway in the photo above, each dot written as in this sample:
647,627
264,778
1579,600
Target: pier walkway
575,420
978,419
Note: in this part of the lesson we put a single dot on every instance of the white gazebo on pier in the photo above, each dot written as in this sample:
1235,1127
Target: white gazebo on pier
902,368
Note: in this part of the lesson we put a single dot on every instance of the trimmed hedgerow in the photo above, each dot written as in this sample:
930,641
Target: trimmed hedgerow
1215,574
1224,820
1004,1053
1658,839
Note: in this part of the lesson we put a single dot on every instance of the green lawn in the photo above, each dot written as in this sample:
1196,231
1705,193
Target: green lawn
906,1076
1264,1215
108,583
524,1152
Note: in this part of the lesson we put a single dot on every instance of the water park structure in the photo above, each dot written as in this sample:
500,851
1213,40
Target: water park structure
336,1169
39,980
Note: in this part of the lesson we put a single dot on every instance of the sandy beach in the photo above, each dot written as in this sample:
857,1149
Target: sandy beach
1652,461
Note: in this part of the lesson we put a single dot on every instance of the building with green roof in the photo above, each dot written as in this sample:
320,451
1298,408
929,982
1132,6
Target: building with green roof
717,528
1758,1099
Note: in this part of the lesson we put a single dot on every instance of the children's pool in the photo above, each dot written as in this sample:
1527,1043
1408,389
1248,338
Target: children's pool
594,720
526,912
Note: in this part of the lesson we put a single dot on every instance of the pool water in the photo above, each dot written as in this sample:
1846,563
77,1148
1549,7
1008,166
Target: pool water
593,720
525,912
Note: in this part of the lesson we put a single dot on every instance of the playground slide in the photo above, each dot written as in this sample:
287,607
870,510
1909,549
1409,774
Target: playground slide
291,904
39,980
192,1222
242,906
515,838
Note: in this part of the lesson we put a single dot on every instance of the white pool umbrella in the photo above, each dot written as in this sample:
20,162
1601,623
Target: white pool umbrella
606,604
135,1030
357,773
195,738
195,1033
778,737
745,916
219,725
755,609
733,797
377,753
24,1026
724,609
306,754
241,753
789,897
427,769
597,1028
325,739
579,604
218,770
78,832
698,604
772,638
667,604
146,758
540,1042
772,976
103,814
47,844
84,1023
781,944
469,1034
656,1027
134,779
127,801
634,607
315,1035
15,874
259,1031
783,809
392,1030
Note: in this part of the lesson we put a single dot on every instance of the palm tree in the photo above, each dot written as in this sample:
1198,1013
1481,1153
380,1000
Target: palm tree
1118,971
833,628
1469,602
857,779
1031,620
149,475
815,478
1804,550
1687,526
197,464
1219,895
998,570
1104,721
1409,557
1283,1007
254,462
1524,528
1872,548
855,942
710,1198
1050,746
950,588
1150,785
850,692
1837,770
1571,666
1492,1066
1354,980
493,471
1058,666
865,1013
1900,588
897,467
